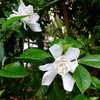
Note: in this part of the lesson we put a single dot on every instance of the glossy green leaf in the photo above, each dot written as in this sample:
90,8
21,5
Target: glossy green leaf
56,93
42,92
96,82
13,19
1,52
13,70
57,41
82,78
34,54
91,60
34,61
80,96
70,40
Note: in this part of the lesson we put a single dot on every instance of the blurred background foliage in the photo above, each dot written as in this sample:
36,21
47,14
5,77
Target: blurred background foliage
79,19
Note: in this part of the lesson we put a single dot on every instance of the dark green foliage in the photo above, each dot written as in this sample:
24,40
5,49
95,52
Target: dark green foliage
20,76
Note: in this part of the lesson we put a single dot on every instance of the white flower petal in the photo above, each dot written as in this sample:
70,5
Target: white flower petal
21,8
35,27
30,9
72,53
68,82
34,18
73,66
46,67
48,77
56,50
24,25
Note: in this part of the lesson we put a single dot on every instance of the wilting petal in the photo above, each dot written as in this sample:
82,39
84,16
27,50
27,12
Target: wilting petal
56,50
35,27
73,66
72,53
68,82
21,8
48,77
46,67
34,18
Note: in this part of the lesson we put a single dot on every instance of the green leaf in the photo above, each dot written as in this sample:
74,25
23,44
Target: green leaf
92,87
93,98
13,19
1,52
33,61
42,92
18,1
80,96
57,41
96,82
66,46
70,40
82,78
1,92
34,54
56,93
91,60
13,70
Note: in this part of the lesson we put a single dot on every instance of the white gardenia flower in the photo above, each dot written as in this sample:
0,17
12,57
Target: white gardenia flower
31,20
62,65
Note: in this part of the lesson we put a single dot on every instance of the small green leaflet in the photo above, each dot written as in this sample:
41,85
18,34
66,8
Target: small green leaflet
13,70
13,19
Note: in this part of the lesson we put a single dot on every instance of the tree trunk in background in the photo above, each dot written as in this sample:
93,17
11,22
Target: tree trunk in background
65,14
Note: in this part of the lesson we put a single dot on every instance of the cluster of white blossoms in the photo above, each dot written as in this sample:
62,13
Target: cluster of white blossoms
31,20
62,65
